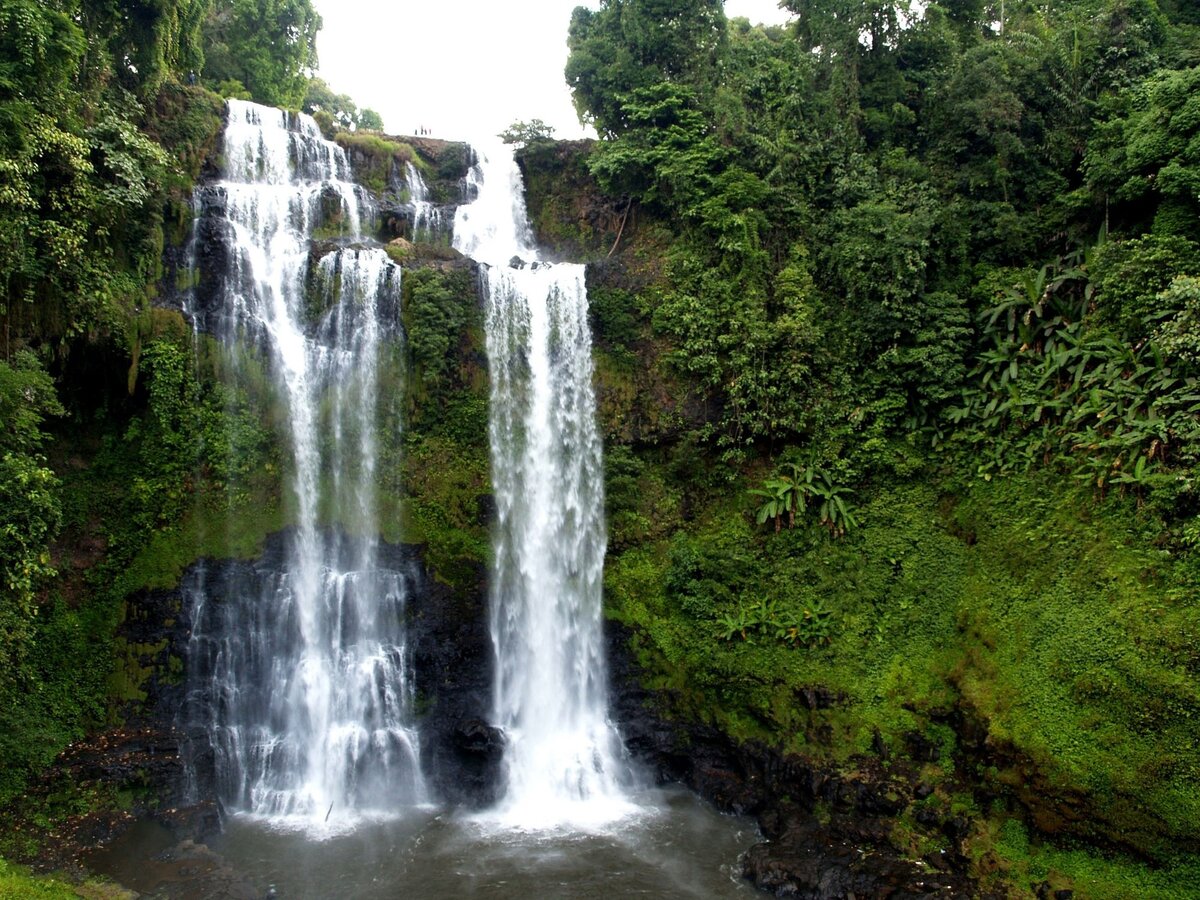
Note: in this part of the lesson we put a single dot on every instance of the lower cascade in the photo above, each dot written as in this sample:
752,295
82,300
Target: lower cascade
299,675
565,763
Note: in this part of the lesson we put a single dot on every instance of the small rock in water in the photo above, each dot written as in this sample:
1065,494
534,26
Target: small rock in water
516,263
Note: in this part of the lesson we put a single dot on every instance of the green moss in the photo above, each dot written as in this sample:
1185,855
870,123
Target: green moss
616,392
1014,860
448,489
617,317
17,883
569,214
1065,635
374,144
62,690
375,155
453,163
437,309
127,682
1083,659
187,121
376,158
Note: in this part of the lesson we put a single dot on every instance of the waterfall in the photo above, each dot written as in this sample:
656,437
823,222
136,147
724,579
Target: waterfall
302,664
564,761
427,216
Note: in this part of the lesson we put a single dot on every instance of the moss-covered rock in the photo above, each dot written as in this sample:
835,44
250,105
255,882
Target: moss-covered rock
571,217
1007,639
380,164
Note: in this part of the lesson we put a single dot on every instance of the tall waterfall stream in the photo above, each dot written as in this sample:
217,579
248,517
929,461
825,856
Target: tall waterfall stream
564,759
299,677
304,674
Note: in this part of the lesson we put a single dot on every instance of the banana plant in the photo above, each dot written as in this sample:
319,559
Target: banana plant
735,625
785,494
778,496
1135,480
834,514
812,628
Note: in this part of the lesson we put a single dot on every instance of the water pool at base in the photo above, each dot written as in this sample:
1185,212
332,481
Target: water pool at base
678,847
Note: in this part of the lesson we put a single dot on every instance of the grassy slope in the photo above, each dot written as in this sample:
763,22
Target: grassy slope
1051,622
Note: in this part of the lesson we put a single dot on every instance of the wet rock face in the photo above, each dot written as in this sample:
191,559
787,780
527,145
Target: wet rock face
209,258
813,864
844,854
841,858
452,664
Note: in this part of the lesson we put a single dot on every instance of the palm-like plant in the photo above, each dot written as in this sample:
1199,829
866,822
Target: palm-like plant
1059,392
778,500
834,514
736,624
792,492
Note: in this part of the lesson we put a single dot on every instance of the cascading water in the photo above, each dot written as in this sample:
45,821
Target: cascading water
564,760
427,216
302,669
298,697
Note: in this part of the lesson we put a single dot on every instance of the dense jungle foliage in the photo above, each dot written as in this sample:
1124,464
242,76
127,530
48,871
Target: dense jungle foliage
896,316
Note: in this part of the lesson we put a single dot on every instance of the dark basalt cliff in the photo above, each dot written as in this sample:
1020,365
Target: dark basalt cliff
162,754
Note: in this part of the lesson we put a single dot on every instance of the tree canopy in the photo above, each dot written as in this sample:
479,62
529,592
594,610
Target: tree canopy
269,46
909,165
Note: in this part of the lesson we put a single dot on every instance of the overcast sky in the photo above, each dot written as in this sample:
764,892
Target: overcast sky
462,68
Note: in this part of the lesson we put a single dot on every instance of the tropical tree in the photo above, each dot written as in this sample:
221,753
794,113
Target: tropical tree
627,45
523,133
30,510
1144,160
270,46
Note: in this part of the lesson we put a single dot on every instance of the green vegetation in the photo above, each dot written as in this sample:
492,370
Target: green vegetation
1054,626
444,466
376,157
16,884
266,49
562,202
379,162
125,454
923,286
897,342
337,111
28,497
1088,874
522,134
100,144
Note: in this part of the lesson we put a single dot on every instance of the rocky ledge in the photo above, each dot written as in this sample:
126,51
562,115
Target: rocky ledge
827,834
141,771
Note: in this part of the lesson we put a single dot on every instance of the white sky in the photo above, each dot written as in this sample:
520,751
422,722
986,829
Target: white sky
462,68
